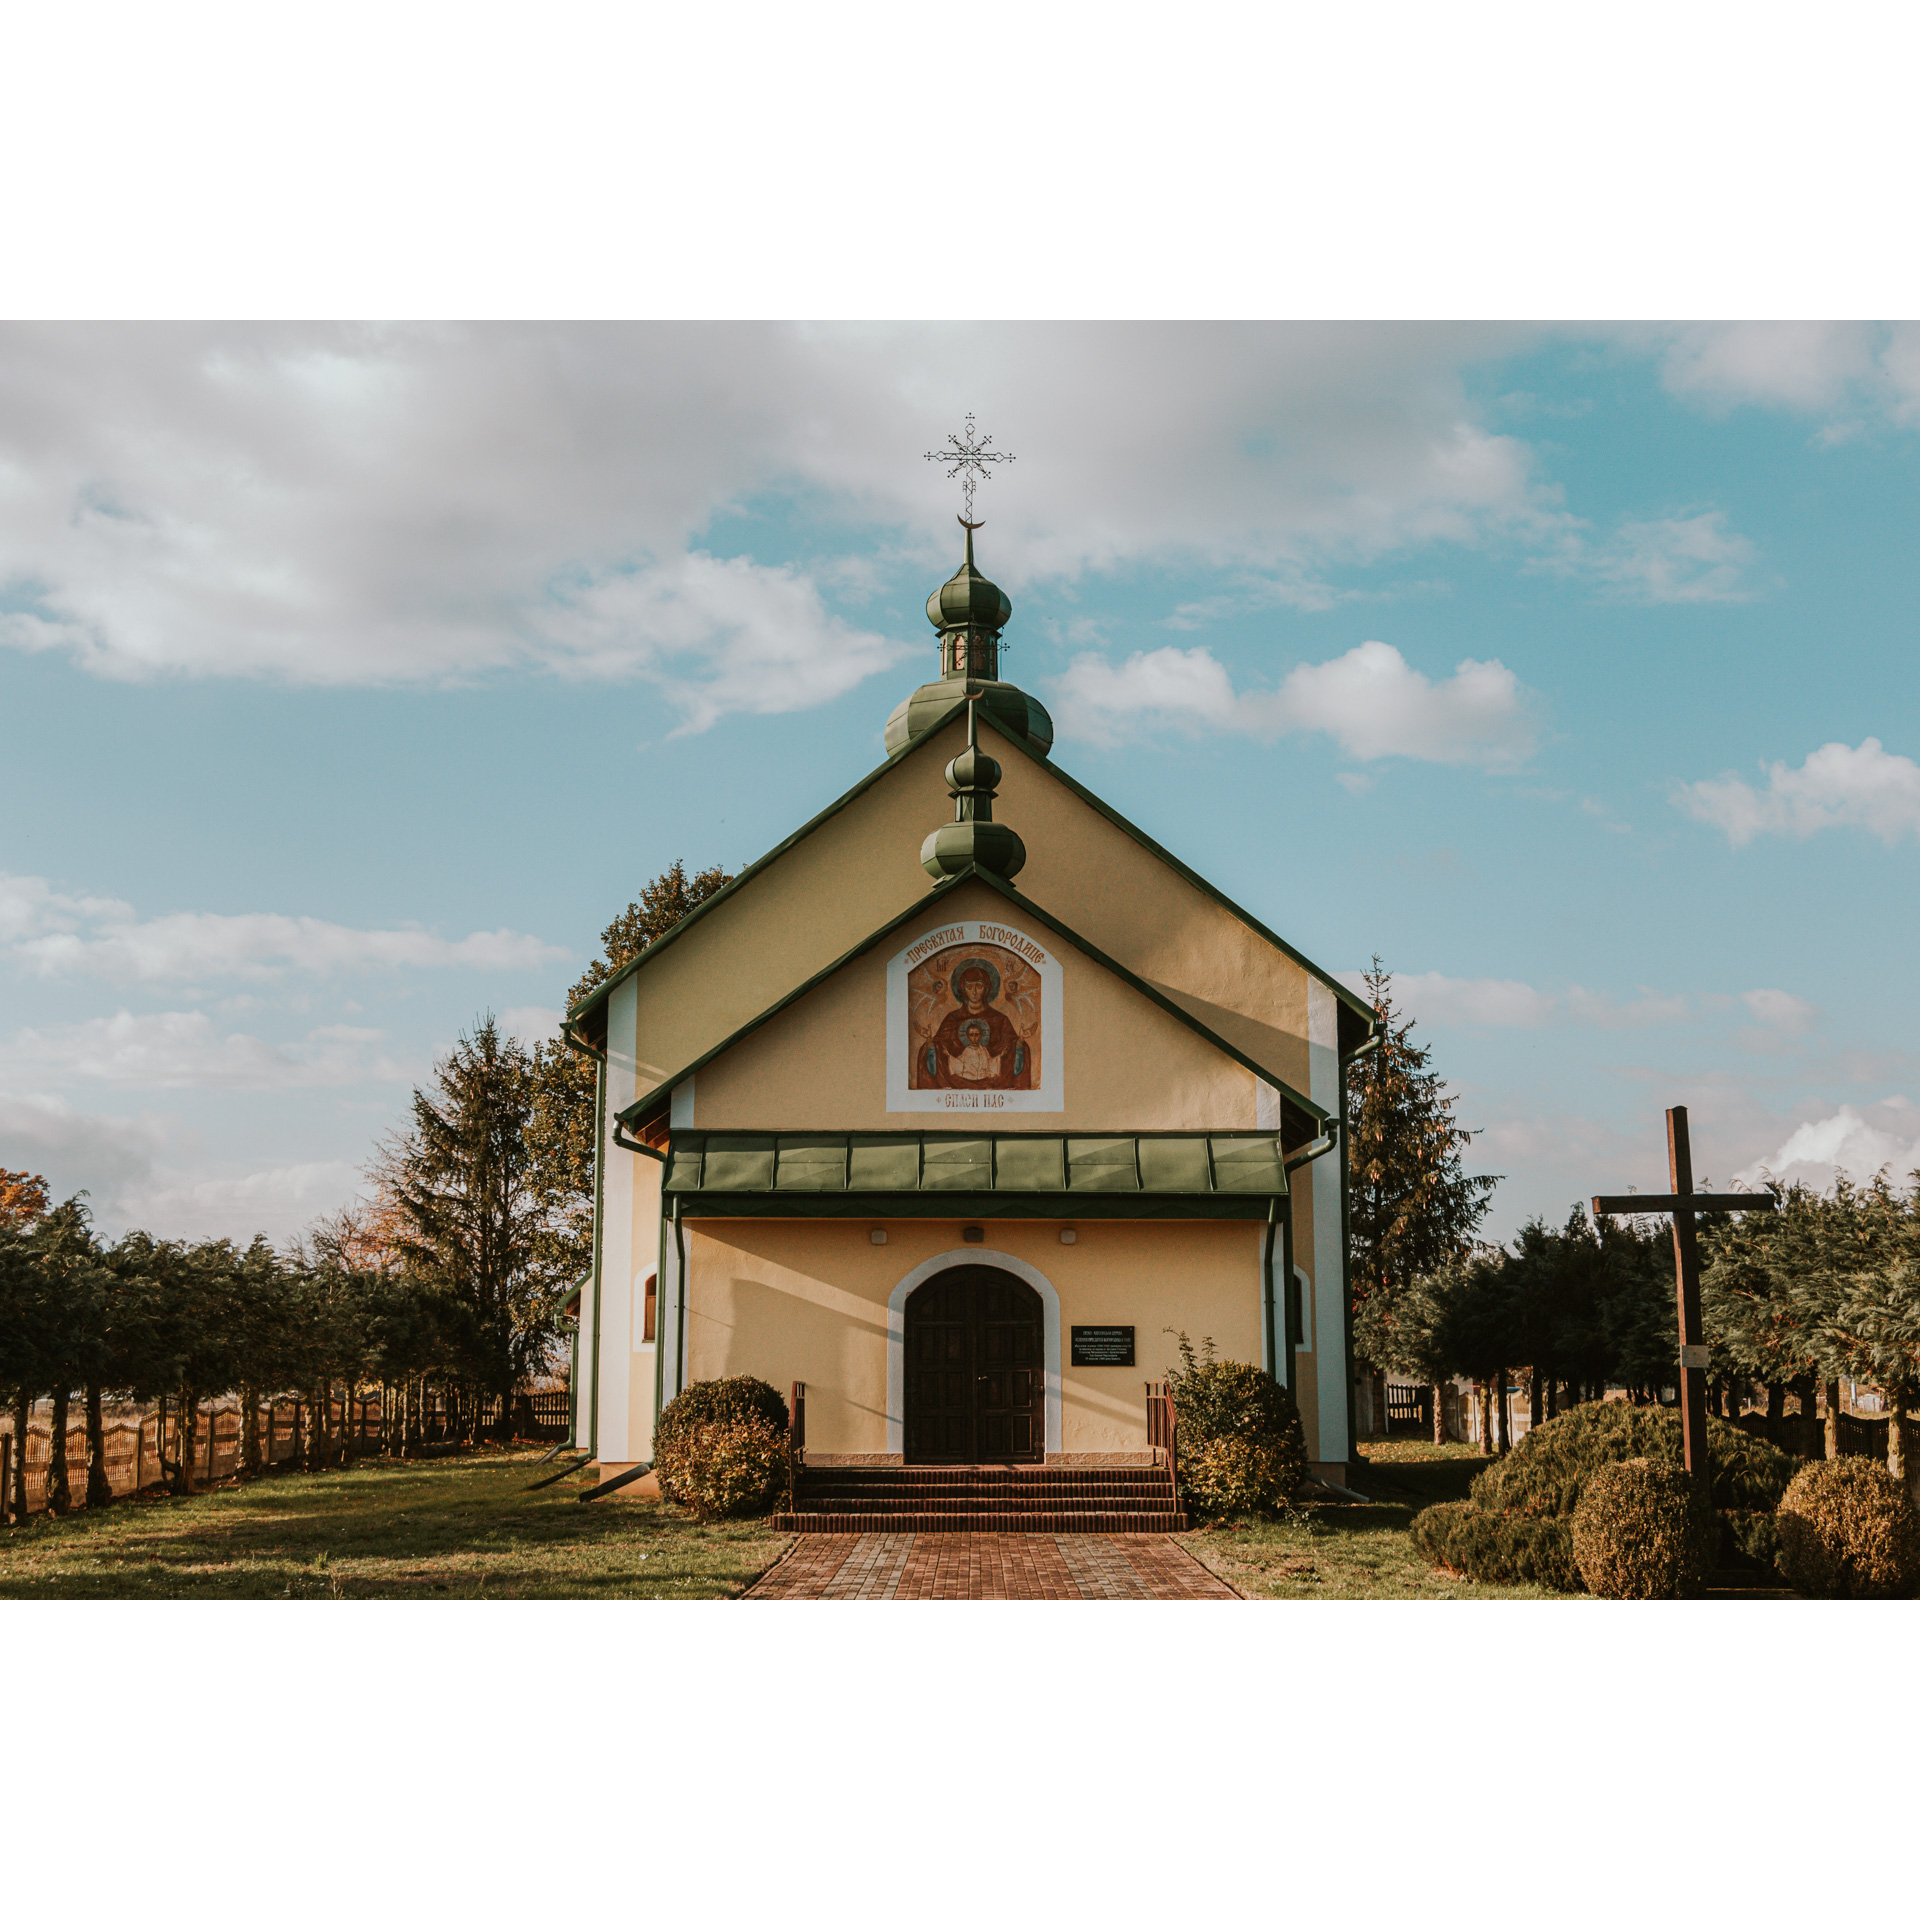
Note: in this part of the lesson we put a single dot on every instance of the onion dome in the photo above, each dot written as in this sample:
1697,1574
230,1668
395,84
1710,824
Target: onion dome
974,838
969,612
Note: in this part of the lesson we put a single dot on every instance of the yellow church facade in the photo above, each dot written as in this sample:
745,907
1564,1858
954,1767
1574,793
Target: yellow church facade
957,1108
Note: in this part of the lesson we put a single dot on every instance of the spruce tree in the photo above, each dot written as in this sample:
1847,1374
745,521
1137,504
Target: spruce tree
1413,1208
460,1183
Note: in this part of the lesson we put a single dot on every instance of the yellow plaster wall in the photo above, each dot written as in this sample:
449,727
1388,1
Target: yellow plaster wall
823,897
822,1064
1129,903
807,1300
830,890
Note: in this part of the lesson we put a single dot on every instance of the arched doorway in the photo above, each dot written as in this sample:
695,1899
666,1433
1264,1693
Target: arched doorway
975,1386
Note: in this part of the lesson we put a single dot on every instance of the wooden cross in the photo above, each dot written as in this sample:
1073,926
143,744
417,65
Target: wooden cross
1683,1203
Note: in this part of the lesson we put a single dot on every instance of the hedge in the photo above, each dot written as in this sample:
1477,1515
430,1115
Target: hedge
1525,1502
1503,1548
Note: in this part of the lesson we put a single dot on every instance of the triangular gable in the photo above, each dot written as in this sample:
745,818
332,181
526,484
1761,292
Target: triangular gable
585,1024
1301,1120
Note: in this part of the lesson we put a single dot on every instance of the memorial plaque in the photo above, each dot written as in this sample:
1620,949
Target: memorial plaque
1103,1346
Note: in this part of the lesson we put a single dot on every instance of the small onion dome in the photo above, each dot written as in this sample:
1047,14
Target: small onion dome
969,599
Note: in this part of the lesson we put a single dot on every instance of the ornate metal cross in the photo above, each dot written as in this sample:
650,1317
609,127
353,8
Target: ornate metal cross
966,459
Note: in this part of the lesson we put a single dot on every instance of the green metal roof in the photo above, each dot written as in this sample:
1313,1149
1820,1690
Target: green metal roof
1237,1164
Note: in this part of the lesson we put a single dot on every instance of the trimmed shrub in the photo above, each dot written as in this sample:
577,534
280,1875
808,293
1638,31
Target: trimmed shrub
723,1469
1549,1470
1849,1532
1503,1548
1220,1401
1231,1474
720,1447
1541,1481
737,1397
1638,1533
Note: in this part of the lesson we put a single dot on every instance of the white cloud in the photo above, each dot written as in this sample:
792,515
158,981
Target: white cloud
1649,1010
1856,1143
1444,1000
58,936
1801,364
184,1050
139,1171
278,1201
1836,786
106,1154
1440,1001
371,505
529,1025
720,636
1685,559
1782,1011
1369,700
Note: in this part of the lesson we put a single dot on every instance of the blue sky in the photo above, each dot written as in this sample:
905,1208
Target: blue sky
351,680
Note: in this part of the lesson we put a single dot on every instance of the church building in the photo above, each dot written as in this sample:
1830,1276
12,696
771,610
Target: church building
956,1108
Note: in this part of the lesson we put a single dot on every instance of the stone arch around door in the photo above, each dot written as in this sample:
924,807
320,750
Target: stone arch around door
897,1334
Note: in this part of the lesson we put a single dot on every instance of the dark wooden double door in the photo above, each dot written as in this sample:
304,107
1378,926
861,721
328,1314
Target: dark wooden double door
976,1376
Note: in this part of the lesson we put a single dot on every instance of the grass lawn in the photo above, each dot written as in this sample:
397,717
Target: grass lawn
1338,1551
458,1529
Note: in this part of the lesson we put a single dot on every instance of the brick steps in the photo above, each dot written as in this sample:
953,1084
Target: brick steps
984,1520
983,1500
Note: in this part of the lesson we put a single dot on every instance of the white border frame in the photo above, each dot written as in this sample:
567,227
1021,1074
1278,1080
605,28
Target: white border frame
1049,1097
897,1335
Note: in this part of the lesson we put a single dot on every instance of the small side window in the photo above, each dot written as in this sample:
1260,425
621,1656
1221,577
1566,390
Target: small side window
646,1319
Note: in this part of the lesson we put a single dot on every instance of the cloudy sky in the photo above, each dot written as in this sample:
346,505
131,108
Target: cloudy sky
352,679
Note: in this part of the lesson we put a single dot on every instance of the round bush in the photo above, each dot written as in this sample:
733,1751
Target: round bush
1849,1532
1638,1533
1549,1469
1232,1474
737,1397
723,1469
1227,1400
1505,1549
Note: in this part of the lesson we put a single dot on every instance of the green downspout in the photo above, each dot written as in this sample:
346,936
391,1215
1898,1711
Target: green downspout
680,1287
1274,1330
1290,1319
1325,1144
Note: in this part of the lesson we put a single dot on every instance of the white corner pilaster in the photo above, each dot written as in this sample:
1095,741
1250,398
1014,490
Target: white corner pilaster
616,1231
1329,1289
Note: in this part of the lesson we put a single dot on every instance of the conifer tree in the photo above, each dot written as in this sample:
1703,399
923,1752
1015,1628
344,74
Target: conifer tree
1413,1208
460,1183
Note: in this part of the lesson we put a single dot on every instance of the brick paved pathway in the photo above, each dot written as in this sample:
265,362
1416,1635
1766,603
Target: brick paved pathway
989,1566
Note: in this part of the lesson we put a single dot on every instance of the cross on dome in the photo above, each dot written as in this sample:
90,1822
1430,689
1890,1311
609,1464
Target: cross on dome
966,460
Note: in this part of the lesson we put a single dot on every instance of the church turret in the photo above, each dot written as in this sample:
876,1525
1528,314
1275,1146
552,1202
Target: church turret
975,838
970,614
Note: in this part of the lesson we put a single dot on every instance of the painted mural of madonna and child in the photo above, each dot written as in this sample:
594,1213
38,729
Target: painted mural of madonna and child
976,1020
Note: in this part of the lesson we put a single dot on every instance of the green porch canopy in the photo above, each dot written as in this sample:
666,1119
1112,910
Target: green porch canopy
1236,1165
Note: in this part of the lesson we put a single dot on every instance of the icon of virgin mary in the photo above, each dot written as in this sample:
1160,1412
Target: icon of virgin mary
976,1046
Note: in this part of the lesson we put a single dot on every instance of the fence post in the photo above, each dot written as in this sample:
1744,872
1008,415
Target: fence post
6,1478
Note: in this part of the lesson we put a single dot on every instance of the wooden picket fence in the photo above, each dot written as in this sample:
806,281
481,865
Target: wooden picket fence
357,1425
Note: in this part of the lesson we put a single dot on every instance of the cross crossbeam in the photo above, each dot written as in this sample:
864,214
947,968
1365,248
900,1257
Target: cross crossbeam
1683,1203
967,460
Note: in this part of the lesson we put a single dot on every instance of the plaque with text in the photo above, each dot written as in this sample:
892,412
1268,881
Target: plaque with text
1103,1346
